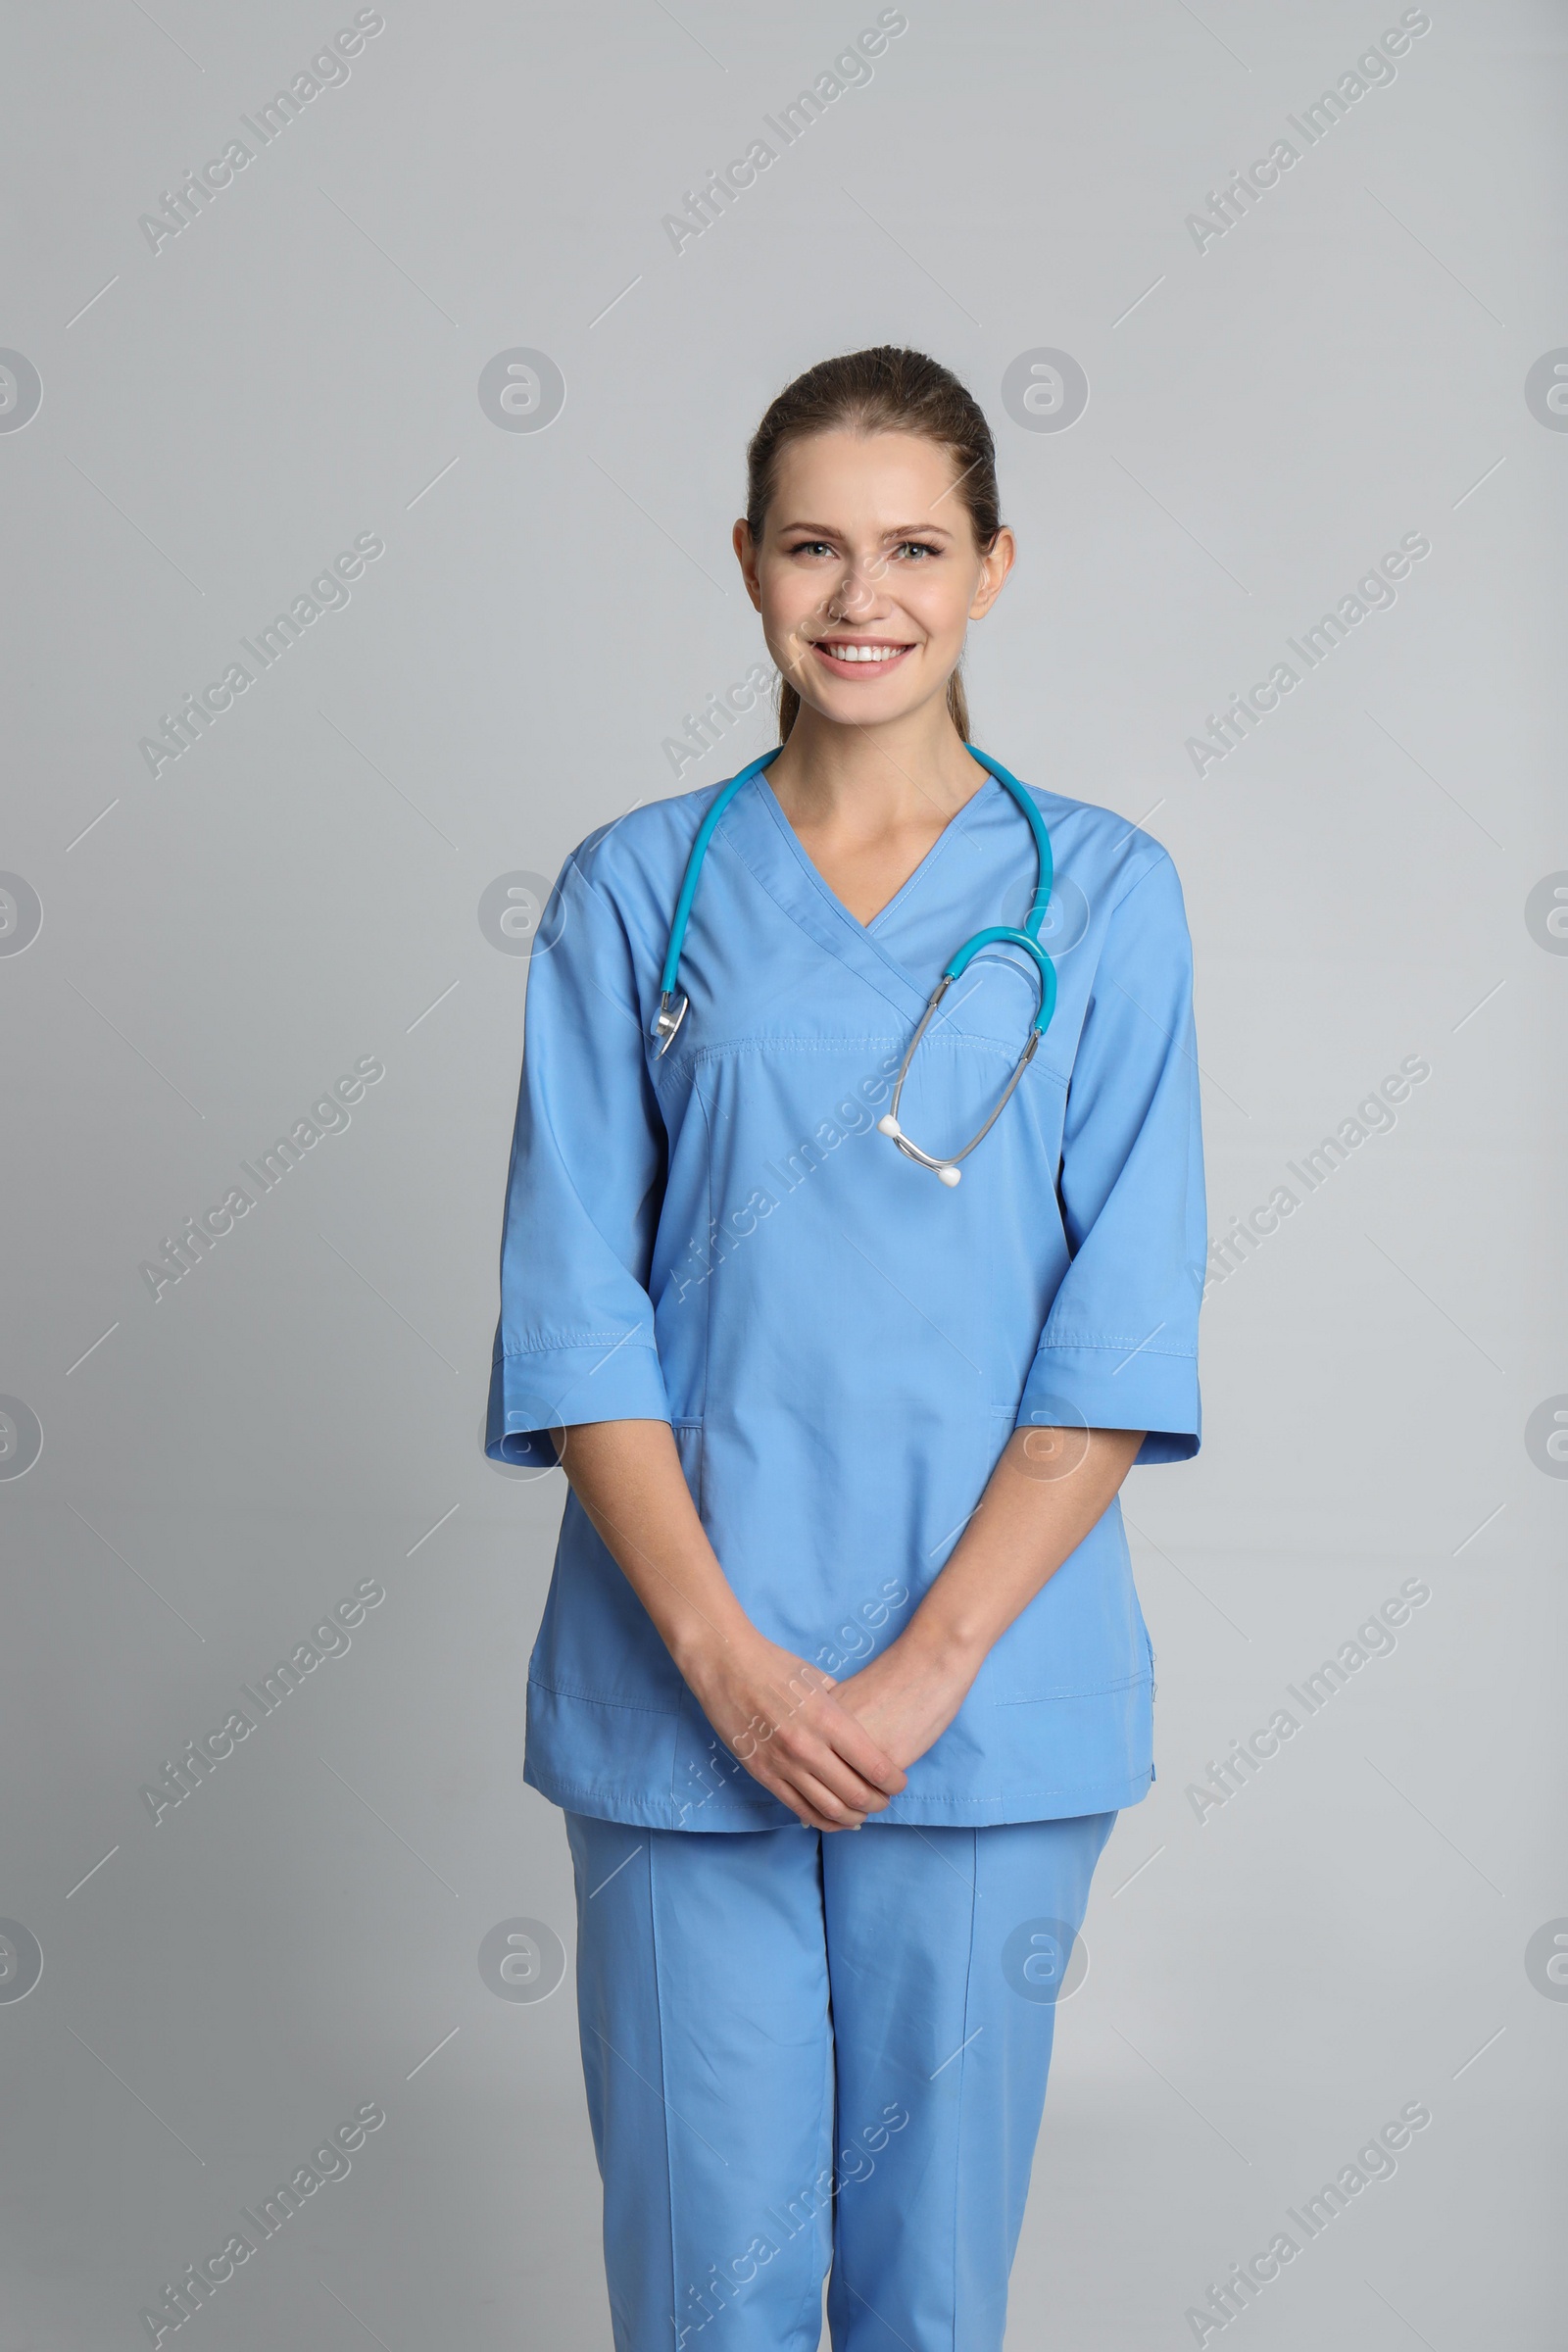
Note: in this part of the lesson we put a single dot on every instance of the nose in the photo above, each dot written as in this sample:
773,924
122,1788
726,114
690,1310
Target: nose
856,596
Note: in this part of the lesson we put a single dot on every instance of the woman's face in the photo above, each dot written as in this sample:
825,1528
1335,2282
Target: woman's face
867,574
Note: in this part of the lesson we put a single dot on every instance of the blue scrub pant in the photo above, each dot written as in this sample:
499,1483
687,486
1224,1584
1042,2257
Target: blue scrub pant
803,2050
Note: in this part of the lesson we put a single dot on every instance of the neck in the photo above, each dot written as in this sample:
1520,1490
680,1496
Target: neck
913,769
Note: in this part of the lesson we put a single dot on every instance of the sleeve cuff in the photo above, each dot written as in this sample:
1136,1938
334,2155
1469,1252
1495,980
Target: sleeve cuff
548,1388
1117,1387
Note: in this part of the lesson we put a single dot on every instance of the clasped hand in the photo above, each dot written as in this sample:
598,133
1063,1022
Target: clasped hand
833,1752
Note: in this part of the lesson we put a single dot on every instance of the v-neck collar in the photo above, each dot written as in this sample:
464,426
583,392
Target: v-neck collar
814,872
754,830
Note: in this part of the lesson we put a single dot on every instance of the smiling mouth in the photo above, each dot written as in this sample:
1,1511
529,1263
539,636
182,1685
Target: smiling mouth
847,652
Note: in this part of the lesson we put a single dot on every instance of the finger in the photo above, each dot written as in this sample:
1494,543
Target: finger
818,1758
832,1812
806,1748
854,1743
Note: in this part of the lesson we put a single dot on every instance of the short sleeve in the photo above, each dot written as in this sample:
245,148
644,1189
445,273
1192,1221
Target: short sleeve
575,1341
1119,1349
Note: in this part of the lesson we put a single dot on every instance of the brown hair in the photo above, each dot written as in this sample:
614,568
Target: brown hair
884,390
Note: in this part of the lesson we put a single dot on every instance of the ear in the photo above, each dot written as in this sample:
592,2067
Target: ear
995,566
746,557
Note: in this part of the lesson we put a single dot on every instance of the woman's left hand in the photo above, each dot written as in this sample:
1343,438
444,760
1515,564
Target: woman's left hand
907,1695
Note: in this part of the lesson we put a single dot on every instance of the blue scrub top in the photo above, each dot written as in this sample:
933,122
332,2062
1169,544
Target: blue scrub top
842,1345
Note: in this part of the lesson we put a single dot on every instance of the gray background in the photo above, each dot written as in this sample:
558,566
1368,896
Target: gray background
301,889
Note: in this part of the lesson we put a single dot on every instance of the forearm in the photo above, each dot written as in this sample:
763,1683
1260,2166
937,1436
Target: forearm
1047,1491
627,1477
777,1714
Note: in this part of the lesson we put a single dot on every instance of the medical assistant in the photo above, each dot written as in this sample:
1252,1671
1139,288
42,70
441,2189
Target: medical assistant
720,1238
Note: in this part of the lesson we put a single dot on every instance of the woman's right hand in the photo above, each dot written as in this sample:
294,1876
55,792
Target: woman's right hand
782,1720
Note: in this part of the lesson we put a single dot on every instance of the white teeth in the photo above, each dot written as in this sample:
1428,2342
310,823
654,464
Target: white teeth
865,653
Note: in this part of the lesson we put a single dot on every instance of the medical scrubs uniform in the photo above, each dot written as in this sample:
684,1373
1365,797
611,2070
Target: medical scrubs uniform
720,1238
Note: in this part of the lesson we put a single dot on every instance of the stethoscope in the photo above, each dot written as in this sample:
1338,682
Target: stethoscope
669,1018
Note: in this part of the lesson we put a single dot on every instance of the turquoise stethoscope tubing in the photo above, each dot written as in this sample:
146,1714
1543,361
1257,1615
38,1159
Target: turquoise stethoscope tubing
669,1018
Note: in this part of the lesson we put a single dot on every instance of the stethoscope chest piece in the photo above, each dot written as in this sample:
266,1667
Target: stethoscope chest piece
665,1022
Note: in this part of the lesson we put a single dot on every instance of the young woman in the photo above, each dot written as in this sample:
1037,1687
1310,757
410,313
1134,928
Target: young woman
845,1415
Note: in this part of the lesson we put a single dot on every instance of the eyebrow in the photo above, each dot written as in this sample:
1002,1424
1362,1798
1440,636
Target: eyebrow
905,530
